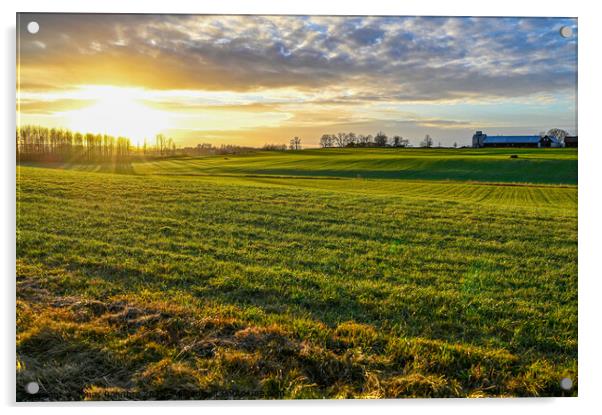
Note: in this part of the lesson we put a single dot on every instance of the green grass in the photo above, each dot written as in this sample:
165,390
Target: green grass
558,166
208,278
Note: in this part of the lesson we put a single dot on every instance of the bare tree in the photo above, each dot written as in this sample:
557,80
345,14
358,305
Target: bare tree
271,147
427,142
558,133
363,140
58,144
380,139
326,140
399,141
295,143
351,139
160,142
340,139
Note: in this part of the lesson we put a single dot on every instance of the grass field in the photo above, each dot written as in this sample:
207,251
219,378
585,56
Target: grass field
320,273
557,166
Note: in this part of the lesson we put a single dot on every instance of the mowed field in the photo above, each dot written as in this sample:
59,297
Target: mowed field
320,273
557,166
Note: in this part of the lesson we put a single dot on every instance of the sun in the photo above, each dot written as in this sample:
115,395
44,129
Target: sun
119,112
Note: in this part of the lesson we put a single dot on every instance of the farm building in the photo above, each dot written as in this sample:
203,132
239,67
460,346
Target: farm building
570,141
483,140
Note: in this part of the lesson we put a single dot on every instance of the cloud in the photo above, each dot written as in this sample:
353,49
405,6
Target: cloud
52,106
403,58
324,70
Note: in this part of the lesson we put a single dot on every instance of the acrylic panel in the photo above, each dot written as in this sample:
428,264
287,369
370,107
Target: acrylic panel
295,207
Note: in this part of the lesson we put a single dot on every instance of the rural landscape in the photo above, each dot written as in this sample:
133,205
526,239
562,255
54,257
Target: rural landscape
164,261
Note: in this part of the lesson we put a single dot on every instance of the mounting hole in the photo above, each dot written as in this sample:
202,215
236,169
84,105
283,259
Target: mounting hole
33,27
566,31
566,384
32,388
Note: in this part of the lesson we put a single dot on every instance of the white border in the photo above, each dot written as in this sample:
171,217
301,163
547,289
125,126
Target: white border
590,164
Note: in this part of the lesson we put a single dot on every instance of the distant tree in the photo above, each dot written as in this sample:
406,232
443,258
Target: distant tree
273,147
60,144
363,140
380,139
427,142
170,146
106,142
68,145
43,140
89,138
78,142
558,133
351,140
123,146
455,144
326,140
160,142
340,139
295,143
399,141
52,141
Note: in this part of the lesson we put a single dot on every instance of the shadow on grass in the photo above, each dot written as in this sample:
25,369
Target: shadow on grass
117,167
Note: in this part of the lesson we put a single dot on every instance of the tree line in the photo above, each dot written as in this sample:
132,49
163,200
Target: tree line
208,149
351,139
35,143
60,144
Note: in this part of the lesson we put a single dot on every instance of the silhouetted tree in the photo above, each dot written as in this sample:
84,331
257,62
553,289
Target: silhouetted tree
427,142
340,139
273,147
380,139
295,143
326,141
558,133
351,139
160,142
399,141
59,144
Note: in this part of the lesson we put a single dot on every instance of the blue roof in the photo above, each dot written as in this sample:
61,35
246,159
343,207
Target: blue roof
507,139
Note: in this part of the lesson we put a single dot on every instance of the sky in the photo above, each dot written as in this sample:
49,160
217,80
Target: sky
253,80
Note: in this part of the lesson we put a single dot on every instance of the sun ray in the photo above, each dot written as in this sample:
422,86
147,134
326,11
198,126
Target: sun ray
119,112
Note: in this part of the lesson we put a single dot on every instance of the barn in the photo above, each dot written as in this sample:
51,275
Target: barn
483,140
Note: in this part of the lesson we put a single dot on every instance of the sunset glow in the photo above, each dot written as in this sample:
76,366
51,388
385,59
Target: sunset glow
252,80
118,111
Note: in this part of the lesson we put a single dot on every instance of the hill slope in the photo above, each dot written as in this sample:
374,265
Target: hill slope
489,165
